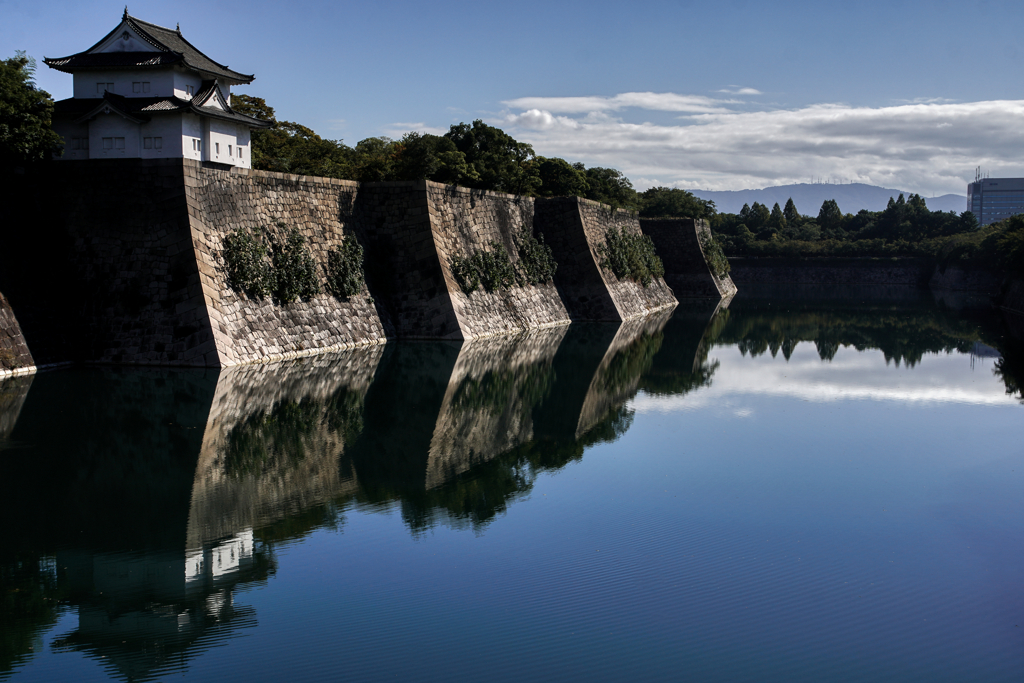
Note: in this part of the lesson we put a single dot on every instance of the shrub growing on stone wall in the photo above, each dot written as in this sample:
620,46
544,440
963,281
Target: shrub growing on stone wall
631,256
245,255
493,269
345,269
536,260
294,269
714,255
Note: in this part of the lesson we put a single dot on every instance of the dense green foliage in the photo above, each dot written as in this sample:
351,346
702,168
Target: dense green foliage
492,268
245,255
471,155
345,276
294,269
536,260
631,257
660,202
25,116
905,228
289,274
714,255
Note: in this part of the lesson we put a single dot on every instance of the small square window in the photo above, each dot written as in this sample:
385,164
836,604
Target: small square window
229,150
136,87
158,143
147,143
75,142
216,148
85,143
100,88
239,152
108,143
145,86
190,90
118,143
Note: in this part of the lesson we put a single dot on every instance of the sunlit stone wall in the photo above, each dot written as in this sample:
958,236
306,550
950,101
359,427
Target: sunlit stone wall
465,222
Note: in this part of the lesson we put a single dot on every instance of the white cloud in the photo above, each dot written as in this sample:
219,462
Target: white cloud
666,101
925,147
851,376
397,130
736,90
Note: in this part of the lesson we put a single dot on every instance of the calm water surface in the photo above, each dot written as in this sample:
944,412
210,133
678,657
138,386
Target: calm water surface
794,488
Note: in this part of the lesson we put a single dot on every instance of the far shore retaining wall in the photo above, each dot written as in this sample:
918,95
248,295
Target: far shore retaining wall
147,284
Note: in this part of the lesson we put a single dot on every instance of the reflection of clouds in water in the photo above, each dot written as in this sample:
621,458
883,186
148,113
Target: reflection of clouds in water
852,374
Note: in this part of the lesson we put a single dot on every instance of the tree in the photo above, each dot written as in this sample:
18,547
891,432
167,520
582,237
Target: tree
830,217
776,221
790,213
499,162
669,201
608,186
422,155
288,147
26,114
559,178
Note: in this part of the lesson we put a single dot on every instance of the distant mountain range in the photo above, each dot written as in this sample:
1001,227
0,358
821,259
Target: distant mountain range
809,197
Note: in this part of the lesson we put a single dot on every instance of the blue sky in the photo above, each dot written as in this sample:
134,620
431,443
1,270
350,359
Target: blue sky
715,95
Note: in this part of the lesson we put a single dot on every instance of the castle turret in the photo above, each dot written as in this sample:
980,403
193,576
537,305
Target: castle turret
143,91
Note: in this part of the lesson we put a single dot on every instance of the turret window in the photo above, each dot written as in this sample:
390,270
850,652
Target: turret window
140,86
153,143
190,90
104,87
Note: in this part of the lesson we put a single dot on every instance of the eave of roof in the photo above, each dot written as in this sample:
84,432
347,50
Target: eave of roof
167,41
142,107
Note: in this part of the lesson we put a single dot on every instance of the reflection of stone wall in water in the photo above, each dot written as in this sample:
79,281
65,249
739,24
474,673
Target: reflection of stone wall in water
274,438
628,356
487,410
13,391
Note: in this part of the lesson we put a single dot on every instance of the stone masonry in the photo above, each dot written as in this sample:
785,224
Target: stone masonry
145,242
677,241
15,357
575,228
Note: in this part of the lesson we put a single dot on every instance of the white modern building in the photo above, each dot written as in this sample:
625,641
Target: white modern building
143,91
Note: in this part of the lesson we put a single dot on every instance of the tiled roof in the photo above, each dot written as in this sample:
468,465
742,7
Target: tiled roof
141,107
173,49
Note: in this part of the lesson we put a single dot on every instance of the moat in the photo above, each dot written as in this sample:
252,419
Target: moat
795,487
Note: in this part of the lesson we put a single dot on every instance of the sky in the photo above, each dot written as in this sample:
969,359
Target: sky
723,95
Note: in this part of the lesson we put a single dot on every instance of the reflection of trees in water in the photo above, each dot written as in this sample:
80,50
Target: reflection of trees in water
493,392
278,437
903,336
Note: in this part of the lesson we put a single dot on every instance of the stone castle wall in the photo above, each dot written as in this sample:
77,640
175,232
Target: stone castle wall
575,229
145,241
15,357
465,222
677,241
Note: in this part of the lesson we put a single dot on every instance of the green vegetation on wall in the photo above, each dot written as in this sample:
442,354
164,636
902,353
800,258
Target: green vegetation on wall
345,269
493,268
245,255
714,255
294,269
289,274
631,257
